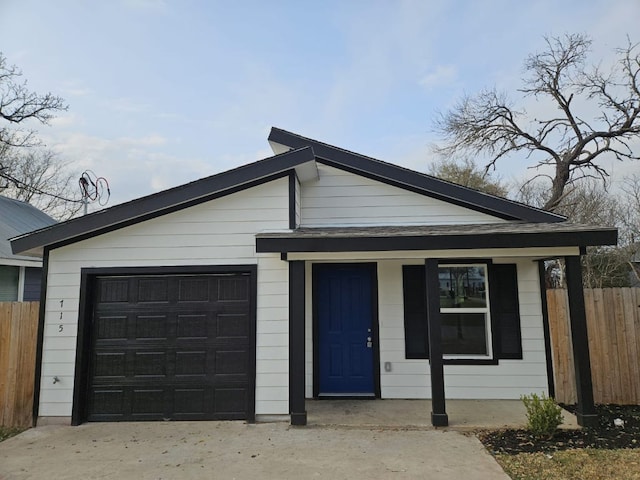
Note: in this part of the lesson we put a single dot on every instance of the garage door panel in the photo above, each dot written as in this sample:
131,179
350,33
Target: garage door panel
150,364
232,325
112,327
154,289
110,364
195,290
108,403
193,363
231,362
151,327
178,348
227,400
191,326
233,289
113,290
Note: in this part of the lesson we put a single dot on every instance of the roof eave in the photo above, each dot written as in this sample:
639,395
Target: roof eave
160,203
291,243
412,180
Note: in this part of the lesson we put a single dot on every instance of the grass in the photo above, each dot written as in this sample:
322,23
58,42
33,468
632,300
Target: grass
583,464
8,432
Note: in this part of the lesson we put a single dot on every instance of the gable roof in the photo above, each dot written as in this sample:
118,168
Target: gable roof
16,218
421,183
166,201
293,152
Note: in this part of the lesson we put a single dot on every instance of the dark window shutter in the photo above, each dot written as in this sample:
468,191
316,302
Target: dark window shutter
415,312
505,311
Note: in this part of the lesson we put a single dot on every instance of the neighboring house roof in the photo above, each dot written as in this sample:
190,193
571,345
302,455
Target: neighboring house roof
17,218
293,153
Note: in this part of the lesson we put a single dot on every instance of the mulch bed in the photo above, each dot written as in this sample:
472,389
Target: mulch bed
605,436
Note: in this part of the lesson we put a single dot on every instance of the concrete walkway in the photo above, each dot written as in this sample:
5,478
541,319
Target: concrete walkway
234,450
368,439
464,415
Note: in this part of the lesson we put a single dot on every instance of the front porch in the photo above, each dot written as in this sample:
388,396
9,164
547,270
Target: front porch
416,414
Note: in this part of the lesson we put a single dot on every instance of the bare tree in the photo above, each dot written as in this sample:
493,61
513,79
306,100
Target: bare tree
19,106
468,174
39,177
29,172
571,142
590,203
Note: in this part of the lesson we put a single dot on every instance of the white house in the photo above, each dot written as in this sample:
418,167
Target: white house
314,273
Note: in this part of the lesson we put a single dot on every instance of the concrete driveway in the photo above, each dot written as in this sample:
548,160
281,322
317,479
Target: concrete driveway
234,450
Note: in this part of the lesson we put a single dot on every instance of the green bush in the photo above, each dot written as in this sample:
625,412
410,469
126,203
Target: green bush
544,416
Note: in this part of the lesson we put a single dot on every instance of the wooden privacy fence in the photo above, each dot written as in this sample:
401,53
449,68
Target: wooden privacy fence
613,324
18,332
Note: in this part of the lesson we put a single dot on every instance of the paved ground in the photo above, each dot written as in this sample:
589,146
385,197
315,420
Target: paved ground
377,439
464,415
233,450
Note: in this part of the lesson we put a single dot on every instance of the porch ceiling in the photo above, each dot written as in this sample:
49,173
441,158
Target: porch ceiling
435,237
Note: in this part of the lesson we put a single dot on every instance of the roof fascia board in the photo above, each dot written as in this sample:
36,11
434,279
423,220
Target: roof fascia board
164,202
283,243
412,180
15,262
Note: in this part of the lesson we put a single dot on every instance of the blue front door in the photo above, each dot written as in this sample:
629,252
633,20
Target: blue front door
344,299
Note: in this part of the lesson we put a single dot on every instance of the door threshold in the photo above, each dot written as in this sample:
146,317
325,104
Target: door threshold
346,396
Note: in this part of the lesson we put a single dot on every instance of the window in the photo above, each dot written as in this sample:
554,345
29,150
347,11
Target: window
9,280
464,309
479,312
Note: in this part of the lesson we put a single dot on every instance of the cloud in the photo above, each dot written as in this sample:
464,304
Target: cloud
442,75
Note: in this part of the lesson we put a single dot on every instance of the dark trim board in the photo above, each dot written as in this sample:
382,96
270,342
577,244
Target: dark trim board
545,327
439,416
87,295
292,200
37,381
585,408
373,269
297,343
291,243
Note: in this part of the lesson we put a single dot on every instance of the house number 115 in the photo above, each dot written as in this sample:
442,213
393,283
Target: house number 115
61,326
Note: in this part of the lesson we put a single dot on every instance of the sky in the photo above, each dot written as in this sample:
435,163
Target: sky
163,92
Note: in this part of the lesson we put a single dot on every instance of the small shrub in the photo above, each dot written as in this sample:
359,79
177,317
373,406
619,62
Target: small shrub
544,416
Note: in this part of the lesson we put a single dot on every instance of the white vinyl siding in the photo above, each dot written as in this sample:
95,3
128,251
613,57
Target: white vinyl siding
340,198
219,232
409,378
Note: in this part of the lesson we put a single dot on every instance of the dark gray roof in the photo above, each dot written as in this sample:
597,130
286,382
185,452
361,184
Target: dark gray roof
17,218
436,237
414,181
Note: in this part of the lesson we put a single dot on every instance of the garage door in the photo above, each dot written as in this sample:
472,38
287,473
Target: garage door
172,347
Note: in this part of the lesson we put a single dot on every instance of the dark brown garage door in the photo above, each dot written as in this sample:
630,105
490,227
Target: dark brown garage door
171,348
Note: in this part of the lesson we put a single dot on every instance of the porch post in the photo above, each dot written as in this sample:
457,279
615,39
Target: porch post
296,343
585,411
439,417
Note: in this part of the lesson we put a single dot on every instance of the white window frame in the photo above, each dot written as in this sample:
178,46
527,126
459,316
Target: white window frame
486,310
